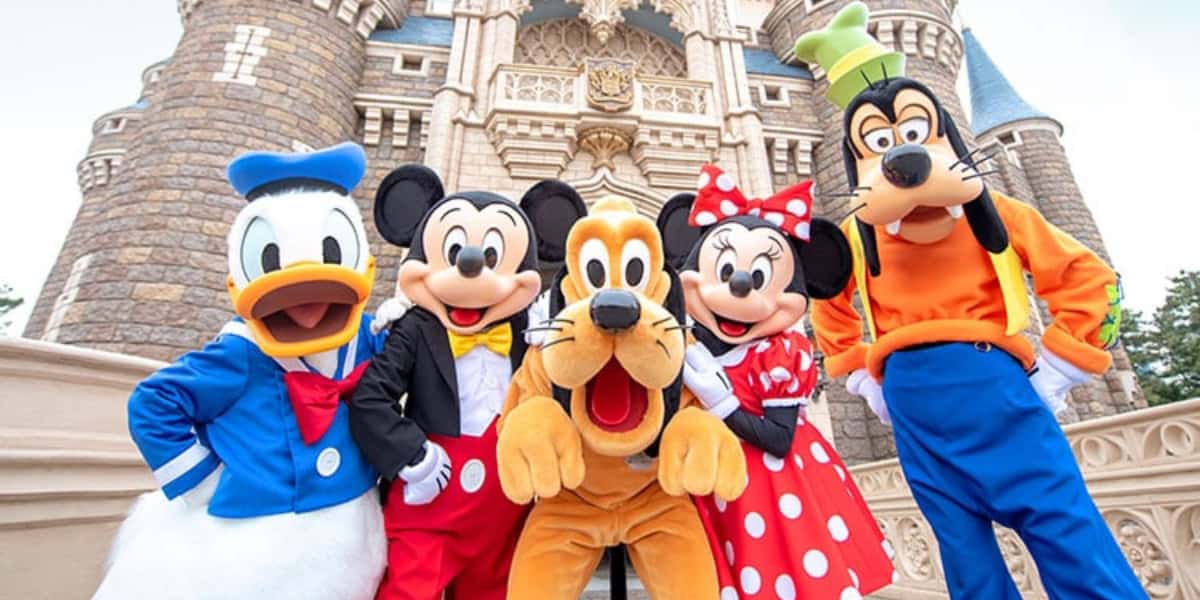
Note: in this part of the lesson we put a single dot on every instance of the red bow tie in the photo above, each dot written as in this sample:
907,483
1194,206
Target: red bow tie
718,198
315,399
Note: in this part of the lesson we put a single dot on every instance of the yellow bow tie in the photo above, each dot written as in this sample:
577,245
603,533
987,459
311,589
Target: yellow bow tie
497,339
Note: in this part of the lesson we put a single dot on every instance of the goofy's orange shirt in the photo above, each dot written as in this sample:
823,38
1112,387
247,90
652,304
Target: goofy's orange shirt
948,291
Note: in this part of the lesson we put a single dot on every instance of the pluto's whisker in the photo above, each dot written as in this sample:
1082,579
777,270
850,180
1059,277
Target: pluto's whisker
678,327
553,319
542,329
661,321
664,347
569,338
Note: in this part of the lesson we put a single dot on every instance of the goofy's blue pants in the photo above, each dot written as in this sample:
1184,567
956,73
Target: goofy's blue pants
977,445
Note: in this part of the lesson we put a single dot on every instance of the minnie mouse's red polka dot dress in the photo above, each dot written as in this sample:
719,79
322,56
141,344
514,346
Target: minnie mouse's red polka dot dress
801,529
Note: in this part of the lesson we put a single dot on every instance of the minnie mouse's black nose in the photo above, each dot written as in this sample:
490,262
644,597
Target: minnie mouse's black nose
740,284
907,165
469,261
615,310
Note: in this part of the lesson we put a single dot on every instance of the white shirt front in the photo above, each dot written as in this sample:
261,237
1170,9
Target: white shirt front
483,378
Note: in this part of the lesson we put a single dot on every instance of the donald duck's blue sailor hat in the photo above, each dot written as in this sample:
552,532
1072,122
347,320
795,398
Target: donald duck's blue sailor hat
337,168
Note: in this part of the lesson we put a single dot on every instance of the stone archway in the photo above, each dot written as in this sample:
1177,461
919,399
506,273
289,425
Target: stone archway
605,183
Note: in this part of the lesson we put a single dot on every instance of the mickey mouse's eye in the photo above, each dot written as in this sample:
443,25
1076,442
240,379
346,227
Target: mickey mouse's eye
340,245
879,140
259,250
635,258
593,262
452,244
493,248
914,130
761,271
725,264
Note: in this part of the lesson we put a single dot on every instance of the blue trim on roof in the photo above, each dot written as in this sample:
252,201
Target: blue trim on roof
419,31
764,62
994,102
142,104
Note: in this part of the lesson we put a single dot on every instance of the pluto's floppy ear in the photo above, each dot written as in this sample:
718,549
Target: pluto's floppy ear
552,207
826,260
677,236
404,197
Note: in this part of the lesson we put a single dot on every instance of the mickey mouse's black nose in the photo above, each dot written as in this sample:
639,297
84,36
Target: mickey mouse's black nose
740,284
615,310
907,165
469,261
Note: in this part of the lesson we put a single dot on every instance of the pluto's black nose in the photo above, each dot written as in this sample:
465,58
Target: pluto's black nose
740,284
469,261
907,166
615,310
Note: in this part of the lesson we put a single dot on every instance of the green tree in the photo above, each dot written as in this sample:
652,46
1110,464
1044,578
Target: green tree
8,302
1165,348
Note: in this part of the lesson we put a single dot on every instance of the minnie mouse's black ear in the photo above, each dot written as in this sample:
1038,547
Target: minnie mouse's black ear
552,207
402,201
678,237
826,260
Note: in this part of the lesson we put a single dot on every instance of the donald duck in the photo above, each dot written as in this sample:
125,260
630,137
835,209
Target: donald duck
263,491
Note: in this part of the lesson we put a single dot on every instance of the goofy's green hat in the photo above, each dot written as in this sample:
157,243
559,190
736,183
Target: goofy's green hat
851,58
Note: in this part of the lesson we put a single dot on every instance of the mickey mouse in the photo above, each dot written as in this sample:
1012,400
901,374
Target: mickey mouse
471,271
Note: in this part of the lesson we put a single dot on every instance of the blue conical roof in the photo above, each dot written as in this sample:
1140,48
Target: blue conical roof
994,102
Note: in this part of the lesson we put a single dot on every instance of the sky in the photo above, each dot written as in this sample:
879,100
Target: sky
1119,75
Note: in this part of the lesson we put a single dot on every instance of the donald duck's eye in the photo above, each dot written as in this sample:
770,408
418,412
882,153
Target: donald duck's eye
259,250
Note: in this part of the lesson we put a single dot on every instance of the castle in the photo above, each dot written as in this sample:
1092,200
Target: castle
613,96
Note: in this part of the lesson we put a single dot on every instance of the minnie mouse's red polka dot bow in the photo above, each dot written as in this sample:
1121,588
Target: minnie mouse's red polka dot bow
719,198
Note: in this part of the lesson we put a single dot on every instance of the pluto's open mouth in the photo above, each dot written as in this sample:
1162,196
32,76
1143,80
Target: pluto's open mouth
305,311
732,328
615,402
465,317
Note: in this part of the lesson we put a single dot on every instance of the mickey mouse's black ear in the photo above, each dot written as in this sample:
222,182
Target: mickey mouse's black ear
402,201
552,207
678,237
826,259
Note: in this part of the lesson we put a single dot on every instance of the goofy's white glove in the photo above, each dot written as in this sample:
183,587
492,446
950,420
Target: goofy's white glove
390,311
862,384
1052,377
706,378
201,495
539,319
426,479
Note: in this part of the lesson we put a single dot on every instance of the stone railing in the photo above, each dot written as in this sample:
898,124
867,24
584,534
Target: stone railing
1143,470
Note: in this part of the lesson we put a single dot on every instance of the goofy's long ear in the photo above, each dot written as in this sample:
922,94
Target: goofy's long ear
981,212
826,260
402,200
678,237
553,207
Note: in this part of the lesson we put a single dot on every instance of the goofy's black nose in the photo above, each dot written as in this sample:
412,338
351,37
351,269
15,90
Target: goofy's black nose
469,261
907,166
740,284
615,310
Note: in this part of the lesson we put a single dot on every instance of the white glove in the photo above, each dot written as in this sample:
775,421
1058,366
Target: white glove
539,317
706,378
426,479
390,311
201,495
862,384
1052,377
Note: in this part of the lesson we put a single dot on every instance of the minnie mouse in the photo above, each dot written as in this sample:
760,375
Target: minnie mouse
748,270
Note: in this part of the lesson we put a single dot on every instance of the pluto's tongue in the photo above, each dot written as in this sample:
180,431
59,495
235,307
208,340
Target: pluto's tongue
732,329
610,396
307,315
466,316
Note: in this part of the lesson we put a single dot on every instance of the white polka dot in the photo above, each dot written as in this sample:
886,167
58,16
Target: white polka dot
774,218
725,183
850,594
790,507
797,207
765,380
796,457
703,181
818,453
721,504
772,462
787,345
755,525
887,549
762,346
853,576
728,208
840,471
780,374
728,593
838,529
794,386
803,230
729,552
705,219
805,360
895,576
816,564
751,581
785,588
754,212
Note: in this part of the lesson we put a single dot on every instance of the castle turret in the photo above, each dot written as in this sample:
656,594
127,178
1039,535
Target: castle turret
143,269
1031,138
